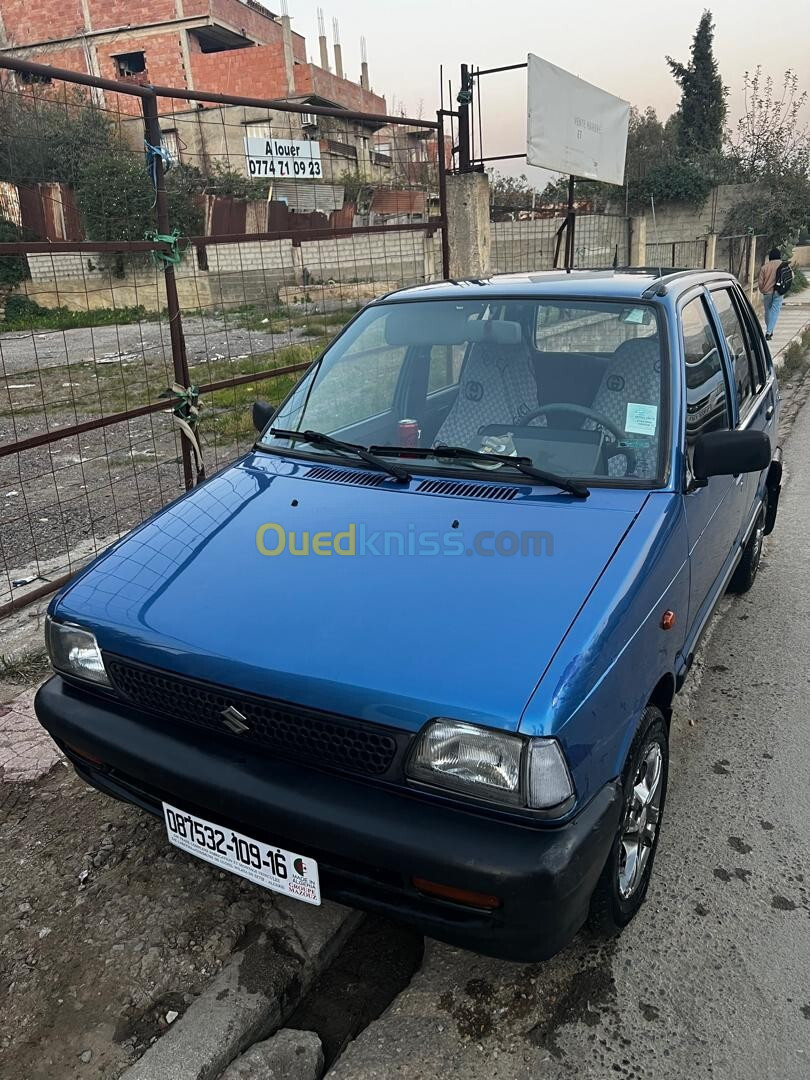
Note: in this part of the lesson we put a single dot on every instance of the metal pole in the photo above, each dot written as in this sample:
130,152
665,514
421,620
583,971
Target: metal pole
569,228
443,200
179,359
464,98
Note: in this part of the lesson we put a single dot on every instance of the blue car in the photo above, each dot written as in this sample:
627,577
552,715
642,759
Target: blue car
417,651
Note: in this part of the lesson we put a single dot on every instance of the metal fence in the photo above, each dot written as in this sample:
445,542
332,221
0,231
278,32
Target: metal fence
166,258
684,254
534,243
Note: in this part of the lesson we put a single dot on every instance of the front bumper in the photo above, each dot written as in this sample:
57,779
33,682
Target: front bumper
369,840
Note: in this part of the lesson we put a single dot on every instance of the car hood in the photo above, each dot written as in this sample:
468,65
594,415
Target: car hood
394,638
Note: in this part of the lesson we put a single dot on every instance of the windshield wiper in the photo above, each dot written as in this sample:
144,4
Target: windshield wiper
318,438
522,464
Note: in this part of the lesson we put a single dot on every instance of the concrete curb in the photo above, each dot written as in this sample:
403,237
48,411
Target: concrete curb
252,995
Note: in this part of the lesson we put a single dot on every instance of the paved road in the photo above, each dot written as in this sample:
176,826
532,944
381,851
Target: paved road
711,980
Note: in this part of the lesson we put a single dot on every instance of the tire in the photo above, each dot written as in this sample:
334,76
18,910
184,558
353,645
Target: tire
744,576
619,893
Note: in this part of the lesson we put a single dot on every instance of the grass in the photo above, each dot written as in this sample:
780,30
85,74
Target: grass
25,669
226,413
799,282
30,316
796,357
280,319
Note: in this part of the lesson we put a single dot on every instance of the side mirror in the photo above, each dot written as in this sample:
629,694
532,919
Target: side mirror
727,453
263,413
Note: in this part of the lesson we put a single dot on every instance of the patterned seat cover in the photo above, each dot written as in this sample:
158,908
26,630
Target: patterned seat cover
496,387
632,376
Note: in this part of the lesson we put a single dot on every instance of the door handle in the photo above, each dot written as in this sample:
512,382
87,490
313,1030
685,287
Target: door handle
769,412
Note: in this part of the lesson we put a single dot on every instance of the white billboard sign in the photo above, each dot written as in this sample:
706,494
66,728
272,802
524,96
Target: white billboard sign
296,158
575,127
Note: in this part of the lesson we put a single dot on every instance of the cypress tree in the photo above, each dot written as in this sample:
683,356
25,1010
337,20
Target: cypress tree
702,111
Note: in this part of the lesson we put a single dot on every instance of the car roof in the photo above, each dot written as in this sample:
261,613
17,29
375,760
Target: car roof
628,284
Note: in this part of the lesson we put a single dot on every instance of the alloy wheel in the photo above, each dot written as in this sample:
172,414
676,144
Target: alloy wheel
640,827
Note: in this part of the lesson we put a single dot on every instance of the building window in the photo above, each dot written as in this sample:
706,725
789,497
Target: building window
259,130
33,77
132,63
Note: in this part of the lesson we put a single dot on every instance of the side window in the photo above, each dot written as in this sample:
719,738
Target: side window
707,407
761,361
743,358
445,366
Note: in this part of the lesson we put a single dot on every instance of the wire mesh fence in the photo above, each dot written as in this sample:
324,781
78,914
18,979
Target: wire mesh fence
683,254
534,242
205,267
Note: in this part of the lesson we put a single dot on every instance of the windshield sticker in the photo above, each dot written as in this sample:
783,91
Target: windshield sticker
635,315
641,419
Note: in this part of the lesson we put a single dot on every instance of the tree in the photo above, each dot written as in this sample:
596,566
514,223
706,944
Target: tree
511,192
770,140
701,114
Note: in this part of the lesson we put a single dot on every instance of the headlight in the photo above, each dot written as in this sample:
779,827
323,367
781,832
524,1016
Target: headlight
74,651
492,765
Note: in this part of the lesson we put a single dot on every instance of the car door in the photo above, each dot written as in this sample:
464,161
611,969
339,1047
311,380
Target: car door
713,515
752,388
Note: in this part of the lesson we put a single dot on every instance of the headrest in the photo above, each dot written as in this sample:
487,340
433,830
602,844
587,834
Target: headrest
446,325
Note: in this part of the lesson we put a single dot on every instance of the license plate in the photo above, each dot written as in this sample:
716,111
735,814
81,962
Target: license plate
274,868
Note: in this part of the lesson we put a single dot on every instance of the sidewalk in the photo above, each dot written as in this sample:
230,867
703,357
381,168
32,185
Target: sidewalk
794,317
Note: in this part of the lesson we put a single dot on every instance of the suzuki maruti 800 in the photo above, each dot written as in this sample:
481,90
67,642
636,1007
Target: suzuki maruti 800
417,651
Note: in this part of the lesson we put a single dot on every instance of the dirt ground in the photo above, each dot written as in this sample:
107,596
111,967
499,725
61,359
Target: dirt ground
105,930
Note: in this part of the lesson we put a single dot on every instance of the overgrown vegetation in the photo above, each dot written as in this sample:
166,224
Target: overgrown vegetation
74,142
22,313
796,357
26,669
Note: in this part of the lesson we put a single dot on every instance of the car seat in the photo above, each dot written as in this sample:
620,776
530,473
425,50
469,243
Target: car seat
496,386
633,376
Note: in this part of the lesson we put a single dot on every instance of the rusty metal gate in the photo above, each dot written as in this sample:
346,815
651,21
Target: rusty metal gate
168,256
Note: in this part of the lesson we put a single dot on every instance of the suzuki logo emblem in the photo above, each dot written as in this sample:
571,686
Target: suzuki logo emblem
234,720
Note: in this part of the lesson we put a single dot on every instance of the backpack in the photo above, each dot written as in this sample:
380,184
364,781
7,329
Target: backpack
784,279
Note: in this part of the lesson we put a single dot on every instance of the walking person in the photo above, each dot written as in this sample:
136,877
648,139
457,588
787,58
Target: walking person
775,279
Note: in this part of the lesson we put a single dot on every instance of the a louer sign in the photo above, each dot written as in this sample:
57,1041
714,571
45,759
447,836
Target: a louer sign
574,127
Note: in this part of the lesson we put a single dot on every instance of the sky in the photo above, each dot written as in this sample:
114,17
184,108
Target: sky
619,45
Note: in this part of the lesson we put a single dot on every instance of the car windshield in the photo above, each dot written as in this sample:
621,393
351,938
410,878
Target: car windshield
574,387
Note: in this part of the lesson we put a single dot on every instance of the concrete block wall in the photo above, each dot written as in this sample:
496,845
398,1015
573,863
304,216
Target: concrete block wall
238,273
678,221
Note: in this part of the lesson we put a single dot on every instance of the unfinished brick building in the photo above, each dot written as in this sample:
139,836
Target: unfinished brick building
226,46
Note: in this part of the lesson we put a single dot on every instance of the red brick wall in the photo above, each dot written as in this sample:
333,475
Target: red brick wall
314,80
257,26
164,66
106,14
257,72
41,20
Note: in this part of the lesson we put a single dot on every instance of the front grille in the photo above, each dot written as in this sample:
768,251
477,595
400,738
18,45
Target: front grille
324,739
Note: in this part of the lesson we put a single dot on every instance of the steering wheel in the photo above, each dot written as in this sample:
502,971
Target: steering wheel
589,414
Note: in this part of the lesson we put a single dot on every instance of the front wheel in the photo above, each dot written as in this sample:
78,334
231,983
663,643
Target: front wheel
621,889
